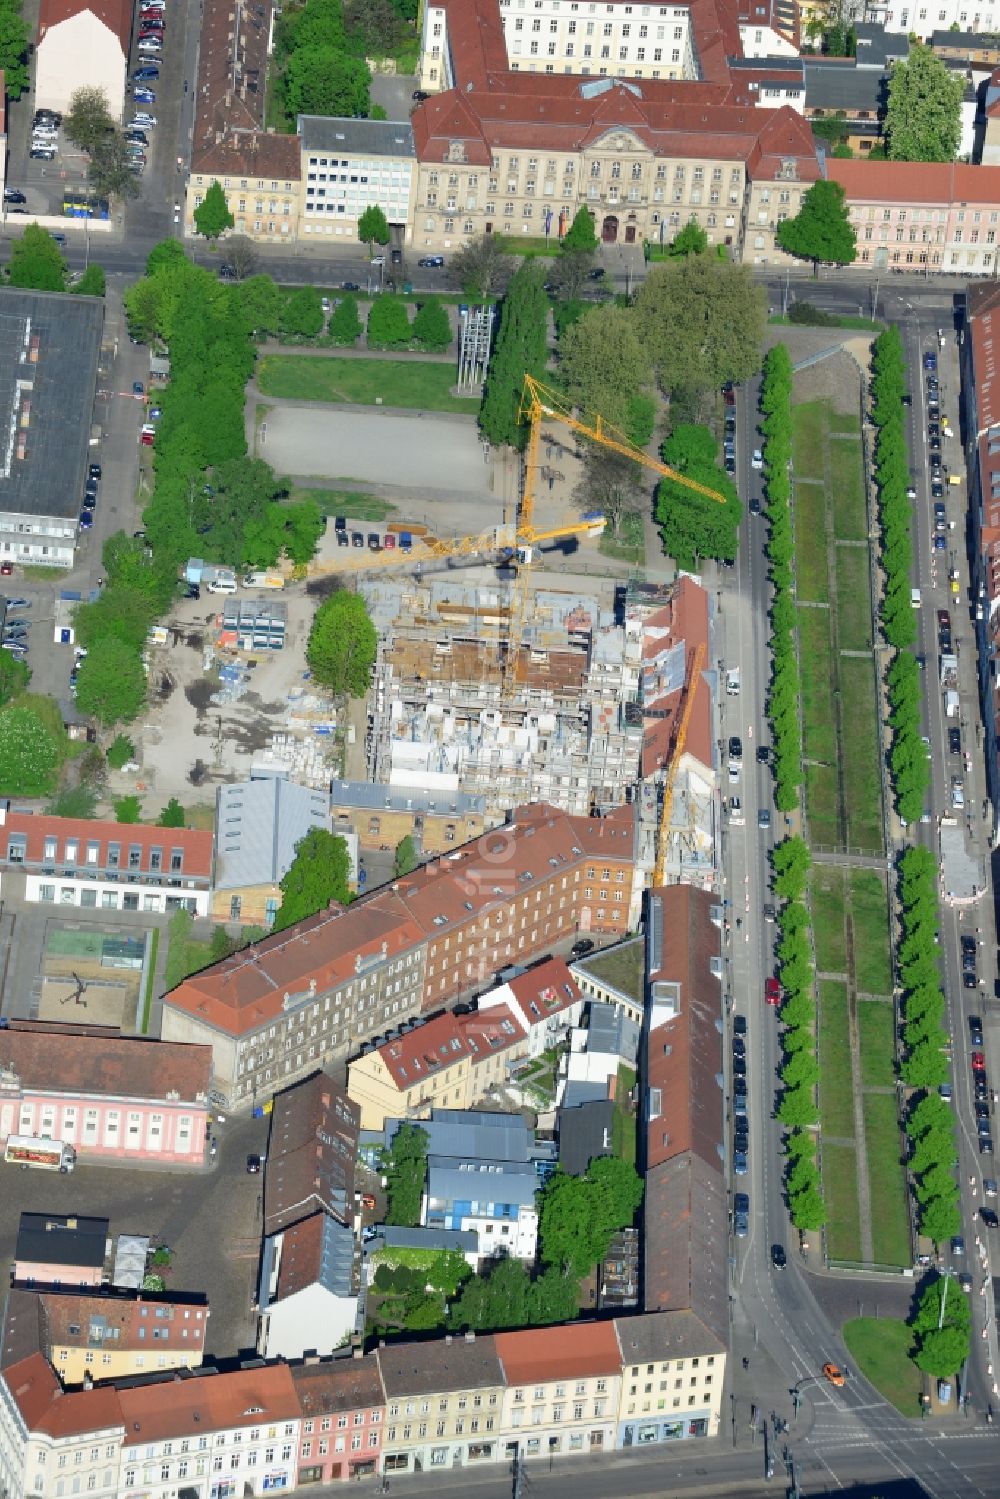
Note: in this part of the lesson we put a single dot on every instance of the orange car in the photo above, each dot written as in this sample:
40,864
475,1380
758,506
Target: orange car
834,1374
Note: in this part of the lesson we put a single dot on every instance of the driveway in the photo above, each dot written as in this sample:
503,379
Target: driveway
211,1219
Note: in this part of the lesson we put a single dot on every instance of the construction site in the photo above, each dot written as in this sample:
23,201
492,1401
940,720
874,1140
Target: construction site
495,683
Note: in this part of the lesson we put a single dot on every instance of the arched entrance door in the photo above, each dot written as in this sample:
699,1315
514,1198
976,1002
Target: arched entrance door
609,229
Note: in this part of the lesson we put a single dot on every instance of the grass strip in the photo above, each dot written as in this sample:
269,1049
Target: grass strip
850,517
840,1190
887,1187
812,575
809,429
821,805
862,781
147,998
870,911
816,668
827,899
881,1348
407,384
836,1086
854,615
876,1027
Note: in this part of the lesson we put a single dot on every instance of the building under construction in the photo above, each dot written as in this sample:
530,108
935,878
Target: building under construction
588,717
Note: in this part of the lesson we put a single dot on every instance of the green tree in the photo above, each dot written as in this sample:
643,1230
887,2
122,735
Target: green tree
611,483
580,235
92,283
15,38
263,304
821,230
212,217
319,874
373,227
405,861
302,314
553,1297
345,324
14,677
342,645
406,1171
112,684
702,321
797,1107
121,751
110,172
943,1353
239,255
431,328
318,80
691,240
74,801
941,1219
791,861
172,815
88,120
570,272
481,268
603,362
923,119
388,323
498,1299
128,809
926,1066
693,526
36,262
808,1210
520,349
169,252
30,755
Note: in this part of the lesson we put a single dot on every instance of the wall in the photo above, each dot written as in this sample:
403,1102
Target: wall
253,904
337,1446
312,1318
71,1364
57,1275
113,896
111,1129
80,52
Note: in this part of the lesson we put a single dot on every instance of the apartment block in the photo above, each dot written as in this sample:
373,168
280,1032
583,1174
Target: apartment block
275,1011
50,1435
343,1418
562,1389
107,1334
350,165
922,216
444,1403
111,1097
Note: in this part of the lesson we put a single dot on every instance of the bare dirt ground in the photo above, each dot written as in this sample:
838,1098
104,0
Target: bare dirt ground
189,744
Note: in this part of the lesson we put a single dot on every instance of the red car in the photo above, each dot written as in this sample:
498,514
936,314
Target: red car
978,1062
6,569
772,991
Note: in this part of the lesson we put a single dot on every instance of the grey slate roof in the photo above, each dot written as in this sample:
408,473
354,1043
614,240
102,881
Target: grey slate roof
258,824
356,137
875,47
469,1135
366,797
467,1363
834,86
584,1134
514,1183
611,1030
654,1337
47,1239
49,349
461,1240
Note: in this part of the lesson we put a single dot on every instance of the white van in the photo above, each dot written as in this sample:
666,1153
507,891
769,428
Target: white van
222,585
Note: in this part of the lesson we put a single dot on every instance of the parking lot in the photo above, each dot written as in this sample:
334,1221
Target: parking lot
211,1220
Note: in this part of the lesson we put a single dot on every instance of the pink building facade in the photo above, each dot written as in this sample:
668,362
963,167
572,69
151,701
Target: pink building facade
343,1408
111,1097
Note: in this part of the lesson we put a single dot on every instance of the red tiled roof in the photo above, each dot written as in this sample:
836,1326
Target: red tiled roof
545,990
345,1384
446,1039
944,183
71,1059
186,1405
684,1055
229,137
248,989
575,1351
44,1405
195,844
67,1319
116,15
301,1256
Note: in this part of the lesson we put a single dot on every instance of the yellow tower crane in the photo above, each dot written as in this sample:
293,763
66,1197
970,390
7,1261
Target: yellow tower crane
676,750
538,403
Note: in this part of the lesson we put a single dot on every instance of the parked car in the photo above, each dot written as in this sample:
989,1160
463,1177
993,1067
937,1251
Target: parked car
978,1061
778,1257
145,74
741,1214
431,262
740,1163
739,1025
955,748
13,195
581,947
772,991
86,520
989,1217
757,460
735,747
